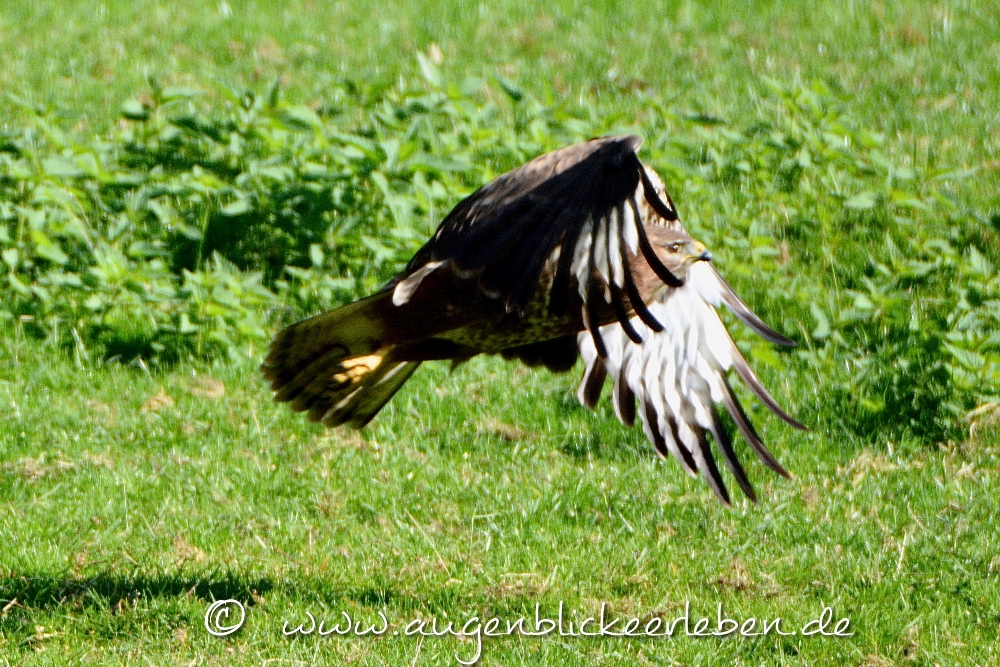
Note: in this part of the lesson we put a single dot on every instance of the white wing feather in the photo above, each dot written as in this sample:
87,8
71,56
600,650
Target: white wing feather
679,378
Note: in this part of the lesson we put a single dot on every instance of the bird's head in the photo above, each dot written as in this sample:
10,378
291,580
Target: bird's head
676,250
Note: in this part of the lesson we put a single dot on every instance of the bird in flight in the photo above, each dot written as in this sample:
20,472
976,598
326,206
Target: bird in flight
579,252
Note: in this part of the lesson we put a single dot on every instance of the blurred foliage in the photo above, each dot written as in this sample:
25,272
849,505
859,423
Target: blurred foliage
183,233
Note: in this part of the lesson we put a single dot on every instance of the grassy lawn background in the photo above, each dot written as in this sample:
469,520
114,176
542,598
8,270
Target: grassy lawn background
136,494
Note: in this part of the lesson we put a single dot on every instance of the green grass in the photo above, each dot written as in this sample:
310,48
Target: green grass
123,514
926,71
123,522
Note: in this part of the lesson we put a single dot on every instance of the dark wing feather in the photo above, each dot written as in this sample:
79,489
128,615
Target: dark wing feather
747,316
571,202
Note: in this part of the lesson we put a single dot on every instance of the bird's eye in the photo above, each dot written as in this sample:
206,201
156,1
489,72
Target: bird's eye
674,247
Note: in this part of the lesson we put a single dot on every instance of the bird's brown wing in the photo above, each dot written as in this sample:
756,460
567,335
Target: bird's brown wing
582,208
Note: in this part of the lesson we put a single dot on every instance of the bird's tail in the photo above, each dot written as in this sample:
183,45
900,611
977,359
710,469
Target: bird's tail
337,365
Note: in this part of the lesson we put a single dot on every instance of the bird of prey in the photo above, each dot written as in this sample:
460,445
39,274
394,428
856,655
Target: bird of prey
578,252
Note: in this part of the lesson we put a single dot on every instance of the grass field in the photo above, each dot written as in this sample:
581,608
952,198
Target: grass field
135,492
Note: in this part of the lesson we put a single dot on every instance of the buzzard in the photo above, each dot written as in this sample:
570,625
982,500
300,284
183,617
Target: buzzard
578,252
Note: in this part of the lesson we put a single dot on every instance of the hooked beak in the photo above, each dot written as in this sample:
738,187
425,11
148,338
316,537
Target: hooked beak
702,253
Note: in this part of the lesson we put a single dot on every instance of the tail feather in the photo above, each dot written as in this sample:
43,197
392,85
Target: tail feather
356,329
378,387
337,365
